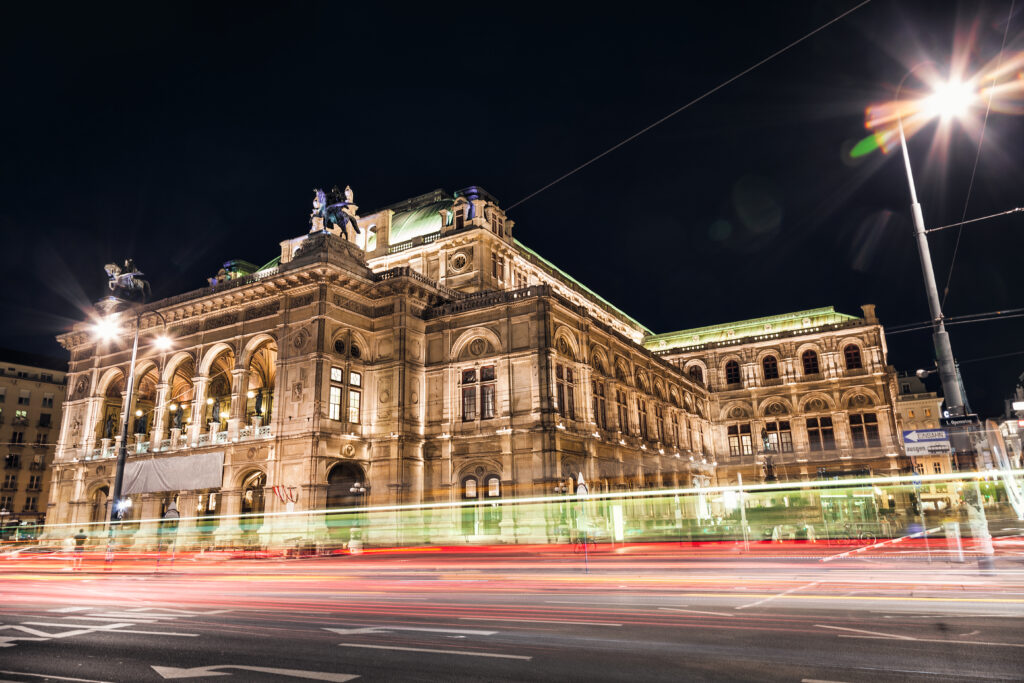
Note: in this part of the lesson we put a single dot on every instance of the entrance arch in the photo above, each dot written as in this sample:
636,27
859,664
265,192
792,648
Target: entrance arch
341,481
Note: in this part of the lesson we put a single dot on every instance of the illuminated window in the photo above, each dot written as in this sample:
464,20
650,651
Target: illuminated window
565,391
334,402
355,379
820,434
488,387
770,365
469,397
810,361
600,409
355,400
910,413
493,487
469,488
780,439
740,442
937,467
852,354
864,431
927,412
732,372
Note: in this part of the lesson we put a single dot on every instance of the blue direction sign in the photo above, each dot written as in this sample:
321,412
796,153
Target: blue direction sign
926,442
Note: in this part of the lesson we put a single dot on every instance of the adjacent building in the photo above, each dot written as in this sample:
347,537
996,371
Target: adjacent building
31,393
433,357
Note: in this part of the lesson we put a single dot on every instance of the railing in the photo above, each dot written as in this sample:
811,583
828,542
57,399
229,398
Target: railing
165,445
203,440
245,433
222,437
263,432
688,348
399,247
406,271
484,299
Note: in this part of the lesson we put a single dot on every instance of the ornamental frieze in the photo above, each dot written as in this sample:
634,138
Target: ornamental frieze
221,321
300,301
269,308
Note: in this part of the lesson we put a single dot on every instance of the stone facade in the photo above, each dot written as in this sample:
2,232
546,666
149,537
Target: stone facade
432,358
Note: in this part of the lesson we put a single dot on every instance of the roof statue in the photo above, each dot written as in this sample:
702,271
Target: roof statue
334,211
127,283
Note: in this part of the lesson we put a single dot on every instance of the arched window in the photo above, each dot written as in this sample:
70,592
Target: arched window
732,372
770,365
852,354
810,360
696,373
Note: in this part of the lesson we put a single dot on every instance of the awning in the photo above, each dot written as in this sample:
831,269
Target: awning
182,473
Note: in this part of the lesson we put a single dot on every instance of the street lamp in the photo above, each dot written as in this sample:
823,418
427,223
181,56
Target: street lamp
129,289
948,100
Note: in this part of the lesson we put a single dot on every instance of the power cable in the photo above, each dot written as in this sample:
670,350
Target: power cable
977,156
688,105
1018,209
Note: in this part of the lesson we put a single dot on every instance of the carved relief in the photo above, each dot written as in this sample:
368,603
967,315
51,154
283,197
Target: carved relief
300,301
301,340
260,311
221,320
81,388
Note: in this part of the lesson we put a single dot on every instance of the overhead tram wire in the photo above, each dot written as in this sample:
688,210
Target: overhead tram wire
1018,209
977,156
959,320
689,104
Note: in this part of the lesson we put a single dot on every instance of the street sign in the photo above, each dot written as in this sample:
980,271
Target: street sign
919,442
959,420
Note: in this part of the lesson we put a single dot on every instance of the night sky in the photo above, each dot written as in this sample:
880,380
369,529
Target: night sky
185,135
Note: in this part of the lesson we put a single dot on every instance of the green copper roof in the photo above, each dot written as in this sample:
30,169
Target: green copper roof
587,290
424,220
274,263
747,328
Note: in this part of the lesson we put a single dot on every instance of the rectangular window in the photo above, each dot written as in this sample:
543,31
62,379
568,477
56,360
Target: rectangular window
337,375
21,417
48,400
6,502
355,379
565,387
820,434
40,439
355,399
780,439
910,413
3,395
486,401
11,481
468,403
864,431
740,442
30,504
335,403
927,412
24,398
44,420
600,414
34,482
623,411
17,437
641,411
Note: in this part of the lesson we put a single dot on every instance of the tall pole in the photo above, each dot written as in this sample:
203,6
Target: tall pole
122,454
940,338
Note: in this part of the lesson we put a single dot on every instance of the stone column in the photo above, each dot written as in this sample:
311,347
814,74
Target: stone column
160,417
198,410
236,415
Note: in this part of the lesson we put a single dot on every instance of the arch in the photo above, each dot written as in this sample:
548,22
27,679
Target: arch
736,410
463,341
673,397
643,382
239,480
774,406
858,398
564,334
701,370
810,361
212,354
342,477
99,502
770,366
805,401
111,375
173,362
622,372
253,345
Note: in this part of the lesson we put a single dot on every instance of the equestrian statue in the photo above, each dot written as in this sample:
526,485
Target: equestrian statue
334,211
127,283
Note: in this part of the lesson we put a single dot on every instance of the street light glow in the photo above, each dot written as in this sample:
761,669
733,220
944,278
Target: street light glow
106,329
950,100
163,343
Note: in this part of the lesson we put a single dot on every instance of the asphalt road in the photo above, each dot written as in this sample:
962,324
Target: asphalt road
461,618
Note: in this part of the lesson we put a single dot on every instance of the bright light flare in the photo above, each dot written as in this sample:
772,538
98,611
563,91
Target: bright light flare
106,329
950,100
163,343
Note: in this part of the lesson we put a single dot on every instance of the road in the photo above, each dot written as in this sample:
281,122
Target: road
440,616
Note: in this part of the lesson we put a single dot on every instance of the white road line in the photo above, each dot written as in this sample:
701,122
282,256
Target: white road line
102,628
365,630
440,652
818,680
171,611
539,621
59,678
134,620
780,595
696,611
939,640
63,609
873,633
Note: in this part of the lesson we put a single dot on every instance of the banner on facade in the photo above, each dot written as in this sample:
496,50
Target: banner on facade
181,473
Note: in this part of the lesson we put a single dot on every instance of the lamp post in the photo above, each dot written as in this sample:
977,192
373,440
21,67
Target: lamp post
947,102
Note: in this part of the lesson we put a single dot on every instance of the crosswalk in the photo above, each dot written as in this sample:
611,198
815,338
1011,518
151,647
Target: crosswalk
72,621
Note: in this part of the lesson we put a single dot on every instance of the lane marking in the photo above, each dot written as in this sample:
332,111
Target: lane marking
63,610
384,629
939,640
539,621
100,628
873,633
134,621
169,610
59,678
440,652
782,595
818,680
697,611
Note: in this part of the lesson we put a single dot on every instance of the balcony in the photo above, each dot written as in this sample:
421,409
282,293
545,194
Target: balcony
20,421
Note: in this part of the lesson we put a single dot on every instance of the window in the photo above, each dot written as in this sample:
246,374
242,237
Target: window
17,437
44,420
740,442
905,388
732,372
40,439
10,482
34,482
910,413
770,365
864,430
469,401
339,348
622,410
681,440
337,395
487,392
48,400
498,266
780,439
30,504
334,403
459,218
810,360
565,386
3,395
354,351
520,279
469,489
937,467
927,412
919,468
820,434
598,398
355,402
24,398
6,502
355,379
497,225
21,417
641,411
696,373
659,421
852,355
